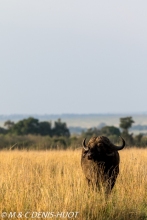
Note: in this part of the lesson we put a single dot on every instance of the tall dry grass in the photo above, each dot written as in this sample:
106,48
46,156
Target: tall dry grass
52,181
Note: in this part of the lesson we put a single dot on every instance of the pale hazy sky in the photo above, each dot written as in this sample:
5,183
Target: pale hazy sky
73,56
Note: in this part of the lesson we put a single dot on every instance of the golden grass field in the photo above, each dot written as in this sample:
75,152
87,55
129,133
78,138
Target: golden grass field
38,182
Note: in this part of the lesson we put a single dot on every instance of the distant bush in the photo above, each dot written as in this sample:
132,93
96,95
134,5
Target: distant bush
3,130
29,142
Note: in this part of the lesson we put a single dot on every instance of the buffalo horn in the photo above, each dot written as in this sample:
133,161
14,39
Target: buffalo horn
84,145
114,147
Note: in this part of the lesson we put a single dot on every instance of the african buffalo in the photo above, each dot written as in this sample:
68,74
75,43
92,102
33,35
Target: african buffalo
100,162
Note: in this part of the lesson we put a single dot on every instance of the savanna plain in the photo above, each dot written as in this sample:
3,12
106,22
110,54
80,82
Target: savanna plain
52,181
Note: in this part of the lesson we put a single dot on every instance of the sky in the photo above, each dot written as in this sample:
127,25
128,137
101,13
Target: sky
73,56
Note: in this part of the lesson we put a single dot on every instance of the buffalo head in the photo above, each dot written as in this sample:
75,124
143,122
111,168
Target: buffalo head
100,147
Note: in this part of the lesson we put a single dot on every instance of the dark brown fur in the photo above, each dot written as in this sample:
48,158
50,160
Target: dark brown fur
100,163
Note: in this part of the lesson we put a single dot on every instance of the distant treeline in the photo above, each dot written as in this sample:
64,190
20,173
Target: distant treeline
34,127
30,133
